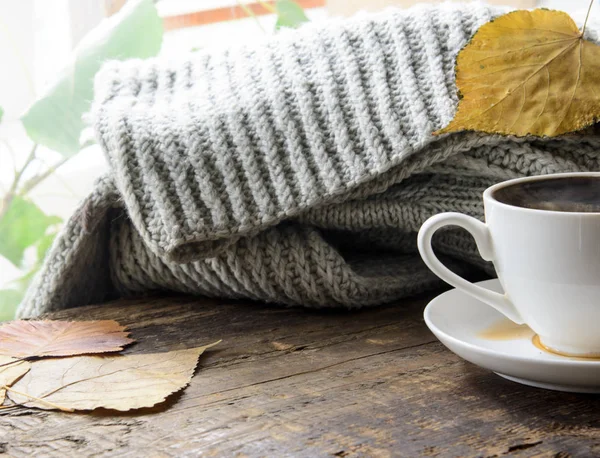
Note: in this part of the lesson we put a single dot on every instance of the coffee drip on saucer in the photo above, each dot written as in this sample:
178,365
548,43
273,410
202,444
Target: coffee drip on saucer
505,329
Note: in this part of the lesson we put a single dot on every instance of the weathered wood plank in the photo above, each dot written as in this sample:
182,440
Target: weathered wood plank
293,382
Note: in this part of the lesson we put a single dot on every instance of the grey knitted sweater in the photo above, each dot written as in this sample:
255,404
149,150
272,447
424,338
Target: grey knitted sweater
296,171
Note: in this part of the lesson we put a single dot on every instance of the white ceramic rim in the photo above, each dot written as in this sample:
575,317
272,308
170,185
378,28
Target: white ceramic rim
488,193
494,353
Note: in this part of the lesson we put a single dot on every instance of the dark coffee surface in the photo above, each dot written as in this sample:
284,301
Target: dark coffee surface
575,194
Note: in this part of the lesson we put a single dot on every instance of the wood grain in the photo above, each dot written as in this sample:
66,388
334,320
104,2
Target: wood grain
294,382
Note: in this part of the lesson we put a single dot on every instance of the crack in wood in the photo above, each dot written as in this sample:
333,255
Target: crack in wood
329,366
518,447
242,359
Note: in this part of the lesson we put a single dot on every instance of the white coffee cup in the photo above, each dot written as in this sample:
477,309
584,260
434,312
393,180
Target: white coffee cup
548,261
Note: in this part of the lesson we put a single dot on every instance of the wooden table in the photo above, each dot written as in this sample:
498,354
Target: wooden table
294,382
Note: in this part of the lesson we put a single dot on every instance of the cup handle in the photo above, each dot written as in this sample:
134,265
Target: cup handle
481,234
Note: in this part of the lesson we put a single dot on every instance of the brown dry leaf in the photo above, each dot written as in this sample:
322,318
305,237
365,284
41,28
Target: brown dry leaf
528,73
26,339
10,370
112,382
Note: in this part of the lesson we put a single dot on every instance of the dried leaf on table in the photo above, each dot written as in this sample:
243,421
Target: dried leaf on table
11,369
527,73
26,339
112,382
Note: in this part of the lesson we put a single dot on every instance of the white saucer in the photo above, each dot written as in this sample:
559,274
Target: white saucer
458,320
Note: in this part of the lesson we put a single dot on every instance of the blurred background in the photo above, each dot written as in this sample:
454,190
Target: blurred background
50,51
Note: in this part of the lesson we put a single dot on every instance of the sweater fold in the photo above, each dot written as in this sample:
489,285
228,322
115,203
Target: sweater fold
229,143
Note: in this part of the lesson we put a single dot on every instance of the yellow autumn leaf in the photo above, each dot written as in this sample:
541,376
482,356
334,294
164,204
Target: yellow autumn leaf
10,370
527,73
113,382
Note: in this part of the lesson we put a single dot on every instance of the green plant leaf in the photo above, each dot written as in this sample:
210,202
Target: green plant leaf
1,113
9,300
23,225
289,14
55,119
12,296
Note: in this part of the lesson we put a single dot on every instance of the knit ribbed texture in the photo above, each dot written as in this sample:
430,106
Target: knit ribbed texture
295,171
